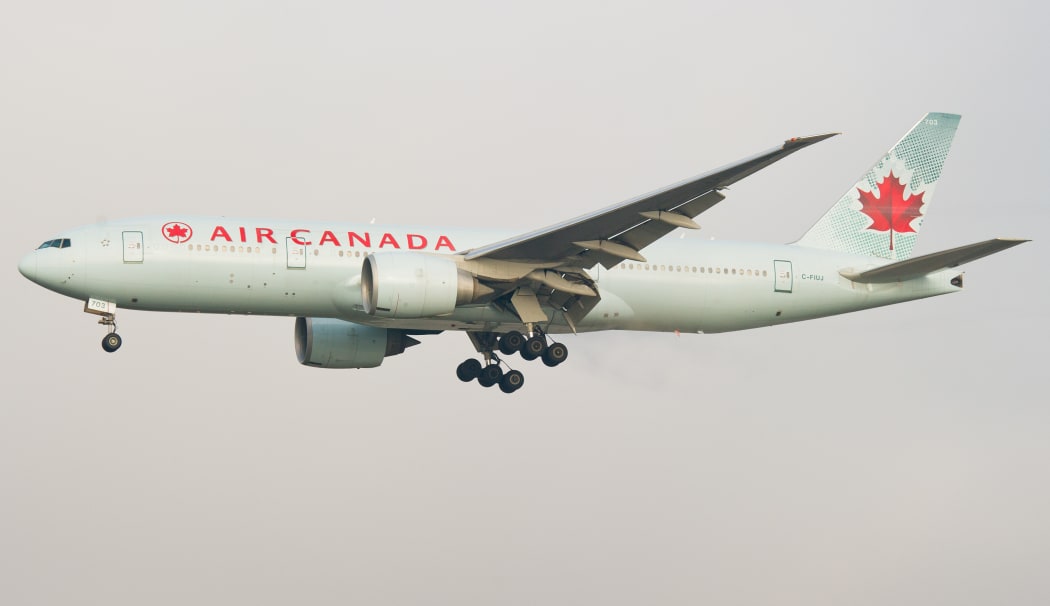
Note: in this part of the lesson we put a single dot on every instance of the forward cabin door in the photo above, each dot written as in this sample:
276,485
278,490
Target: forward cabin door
133,252
782,278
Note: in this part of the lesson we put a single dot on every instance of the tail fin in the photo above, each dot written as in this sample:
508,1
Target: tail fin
881,214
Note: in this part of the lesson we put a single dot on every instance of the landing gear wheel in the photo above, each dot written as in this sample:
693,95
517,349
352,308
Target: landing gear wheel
468,370
490,375
112,342
511,342
534,347
555,354
512,381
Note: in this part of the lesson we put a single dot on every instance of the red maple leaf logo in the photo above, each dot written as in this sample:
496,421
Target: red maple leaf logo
177,232
890,210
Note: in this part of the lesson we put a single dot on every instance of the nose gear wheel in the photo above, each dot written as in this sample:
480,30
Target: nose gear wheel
112,341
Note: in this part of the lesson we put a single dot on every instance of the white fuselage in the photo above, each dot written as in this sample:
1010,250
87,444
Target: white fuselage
265,267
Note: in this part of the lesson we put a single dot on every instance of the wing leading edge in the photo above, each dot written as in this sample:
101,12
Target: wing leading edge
619,232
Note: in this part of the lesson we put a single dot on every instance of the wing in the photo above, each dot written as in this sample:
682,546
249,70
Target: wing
545,270
620,231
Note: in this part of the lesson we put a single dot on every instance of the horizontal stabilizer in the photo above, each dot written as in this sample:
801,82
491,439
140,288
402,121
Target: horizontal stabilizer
926,264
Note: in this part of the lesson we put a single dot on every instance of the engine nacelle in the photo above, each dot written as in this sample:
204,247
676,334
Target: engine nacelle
330,343
413,285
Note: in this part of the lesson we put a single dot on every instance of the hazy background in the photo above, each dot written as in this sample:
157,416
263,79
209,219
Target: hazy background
898,456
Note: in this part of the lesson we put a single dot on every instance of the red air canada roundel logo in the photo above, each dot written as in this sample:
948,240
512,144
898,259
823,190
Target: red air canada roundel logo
177,232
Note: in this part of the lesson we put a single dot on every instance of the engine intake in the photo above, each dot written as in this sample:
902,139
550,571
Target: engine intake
414,285
330,343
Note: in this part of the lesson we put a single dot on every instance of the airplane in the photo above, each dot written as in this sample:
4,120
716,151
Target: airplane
362,292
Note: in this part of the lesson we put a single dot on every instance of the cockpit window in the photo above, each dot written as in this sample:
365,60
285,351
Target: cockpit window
59,243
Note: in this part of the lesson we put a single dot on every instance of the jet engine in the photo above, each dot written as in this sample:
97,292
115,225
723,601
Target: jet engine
414,285
330,343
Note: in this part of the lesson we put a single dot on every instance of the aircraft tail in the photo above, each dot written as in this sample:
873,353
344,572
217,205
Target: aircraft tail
881,215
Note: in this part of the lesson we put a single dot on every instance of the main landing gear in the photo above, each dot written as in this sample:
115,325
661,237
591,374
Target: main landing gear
491,373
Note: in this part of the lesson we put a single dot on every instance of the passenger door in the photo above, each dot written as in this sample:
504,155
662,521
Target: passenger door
296,254
133,248
782,278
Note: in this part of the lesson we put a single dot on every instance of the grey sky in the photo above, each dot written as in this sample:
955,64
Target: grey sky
893,456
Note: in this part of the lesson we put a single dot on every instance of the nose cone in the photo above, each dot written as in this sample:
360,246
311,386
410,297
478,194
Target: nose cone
27,266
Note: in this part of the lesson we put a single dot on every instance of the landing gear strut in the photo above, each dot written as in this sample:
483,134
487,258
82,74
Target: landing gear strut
107,310
491,373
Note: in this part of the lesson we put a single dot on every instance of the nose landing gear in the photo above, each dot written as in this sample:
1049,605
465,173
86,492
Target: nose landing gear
107,310
112,341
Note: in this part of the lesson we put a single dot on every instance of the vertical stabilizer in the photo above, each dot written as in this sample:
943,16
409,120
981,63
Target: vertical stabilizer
881,215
